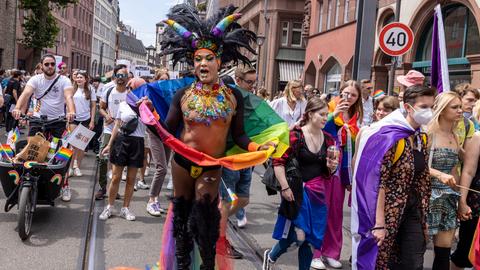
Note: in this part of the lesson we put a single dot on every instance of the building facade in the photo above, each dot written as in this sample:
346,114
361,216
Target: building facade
331,31
8,12
281,55
461,24
151,59
130,48
82,28
104,41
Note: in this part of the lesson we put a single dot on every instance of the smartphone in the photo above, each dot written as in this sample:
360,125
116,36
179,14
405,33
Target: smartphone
345,96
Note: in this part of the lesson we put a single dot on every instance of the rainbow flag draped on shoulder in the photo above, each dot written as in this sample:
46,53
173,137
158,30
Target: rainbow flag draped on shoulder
374,144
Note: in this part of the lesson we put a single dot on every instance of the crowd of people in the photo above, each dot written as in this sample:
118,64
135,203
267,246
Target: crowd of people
401,160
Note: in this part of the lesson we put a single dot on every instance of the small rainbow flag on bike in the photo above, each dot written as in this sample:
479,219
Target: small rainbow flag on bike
63,154
7,152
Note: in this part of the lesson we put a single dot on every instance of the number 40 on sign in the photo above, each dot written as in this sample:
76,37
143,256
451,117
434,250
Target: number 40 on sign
396,39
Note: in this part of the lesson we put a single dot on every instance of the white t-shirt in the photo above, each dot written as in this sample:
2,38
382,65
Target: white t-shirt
82,105
52,104
280,106
113,103
125,114
367,111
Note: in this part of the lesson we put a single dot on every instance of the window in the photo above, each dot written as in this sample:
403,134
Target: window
337,13
329,14
75,11
96,27
320,17
285,33
333,78
297,34
74,33
346,11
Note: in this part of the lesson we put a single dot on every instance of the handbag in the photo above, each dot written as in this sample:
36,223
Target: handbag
291,209
129,127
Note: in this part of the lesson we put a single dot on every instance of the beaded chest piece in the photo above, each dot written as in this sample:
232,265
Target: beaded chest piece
206,105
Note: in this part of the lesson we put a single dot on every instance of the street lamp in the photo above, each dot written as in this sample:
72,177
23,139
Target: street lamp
260,40
57,42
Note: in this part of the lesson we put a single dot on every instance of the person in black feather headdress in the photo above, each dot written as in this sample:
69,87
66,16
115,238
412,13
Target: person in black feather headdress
209,110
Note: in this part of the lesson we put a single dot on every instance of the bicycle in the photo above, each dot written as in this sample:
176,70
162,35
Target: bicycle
33,183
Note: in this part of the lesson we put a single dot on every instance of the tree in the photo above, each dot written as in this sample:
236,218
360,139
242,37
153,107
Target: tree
40,27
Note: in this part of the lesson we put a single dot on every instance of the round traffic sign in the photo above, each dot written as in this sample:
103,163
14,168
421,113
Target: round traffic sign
396,39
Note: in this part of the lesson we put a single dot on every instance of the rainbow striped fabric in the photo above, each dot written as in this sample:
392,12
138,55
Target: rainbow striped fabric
7,152
63,154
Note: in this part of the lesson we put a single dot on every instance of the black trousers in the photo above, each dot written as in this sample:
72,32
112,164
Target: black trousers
466,232
10,122
410,237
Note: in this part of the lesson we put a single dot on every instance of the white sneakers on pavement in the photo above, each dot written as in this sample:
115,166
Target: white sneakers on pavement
106,213
127,214
333,263
154,209
77,172
141,184
66,194
318,264
241,223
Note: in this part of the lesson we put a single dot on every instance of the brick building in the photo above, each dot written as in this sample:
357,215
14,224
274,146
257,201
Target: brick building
82,27
8,12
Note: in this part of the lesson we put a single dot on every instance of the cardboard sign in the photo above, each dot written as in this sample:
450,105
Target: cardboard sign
80,137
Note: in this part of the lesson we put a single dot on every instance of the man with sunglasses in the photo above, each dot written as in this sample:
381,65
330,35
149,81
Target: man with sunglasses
367,101
110,101
52,92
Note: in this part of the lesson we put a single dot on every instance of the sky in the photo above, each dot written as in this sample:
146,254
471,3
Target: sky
143,15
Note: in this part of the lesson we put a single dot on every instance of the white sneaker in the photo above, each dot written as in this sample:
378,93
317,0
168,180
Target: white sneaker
124,174
333,263
153,210
125,213
170,184
142,185
135,187
77,172
147,171
241,223
106,213
70,172
66,194
109,175
317,263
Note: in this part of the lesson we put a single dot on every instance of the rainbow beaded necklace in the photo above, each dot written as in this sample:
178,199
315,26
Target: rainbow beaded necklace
208,104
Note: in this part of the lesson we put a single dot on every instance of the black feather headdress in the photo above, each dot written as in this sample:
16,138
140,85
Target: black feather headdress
220,33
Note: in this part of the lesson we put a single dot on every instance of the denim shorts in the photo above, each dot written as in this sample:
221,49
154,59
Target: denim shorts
238,182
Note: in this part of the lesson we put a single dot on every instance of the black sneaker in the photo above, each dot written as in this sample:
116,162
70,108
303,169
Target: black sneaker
267,262
100,195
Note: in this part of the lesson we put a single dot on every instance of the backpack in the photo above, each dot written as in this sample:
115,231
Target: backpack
400,147
109,91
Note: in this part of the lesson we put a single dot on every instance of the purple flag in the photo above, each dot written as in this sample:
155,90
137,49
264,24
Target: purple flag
439,74
375,141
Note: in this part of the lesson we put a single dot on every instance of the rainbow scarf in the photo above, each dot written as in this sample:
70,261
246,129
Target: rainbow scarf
233,162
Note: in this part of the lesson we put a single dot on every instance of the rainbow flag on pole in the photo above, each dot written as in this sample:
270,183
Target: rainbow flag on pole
7,152
63,154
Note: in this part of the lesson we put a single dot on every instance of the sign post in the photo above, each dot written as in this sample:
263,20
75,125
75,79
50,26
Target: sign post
395,39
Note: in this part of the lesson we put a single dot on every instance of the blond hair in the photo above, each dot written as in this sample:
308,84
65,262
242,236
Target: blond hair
441,103
476,111
288,90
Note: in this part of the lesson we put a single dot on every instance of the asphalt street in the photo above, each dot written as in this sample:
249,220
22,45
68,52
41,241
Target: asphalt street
59,234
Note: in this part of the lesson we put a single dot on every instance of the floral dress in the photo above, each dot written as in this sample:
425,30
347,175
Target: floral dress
398,180
442,214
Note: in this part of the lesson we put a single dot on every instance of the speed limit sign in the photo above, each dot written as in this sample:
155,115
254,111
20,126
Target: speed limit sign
396,39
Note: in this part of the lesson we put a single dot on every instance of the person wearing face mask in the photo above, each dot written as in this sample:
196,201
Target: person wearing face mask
391,188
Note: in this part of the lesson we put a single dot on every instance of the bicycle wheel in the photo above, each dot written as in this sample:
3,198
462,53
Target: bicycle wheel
25,213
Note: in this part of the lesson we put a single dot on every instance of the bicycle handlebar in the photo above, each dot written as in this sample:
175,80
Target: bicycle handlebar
43,122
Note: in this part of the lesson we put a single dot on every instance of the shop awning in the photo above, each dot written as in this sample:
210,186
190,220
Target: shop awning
290,71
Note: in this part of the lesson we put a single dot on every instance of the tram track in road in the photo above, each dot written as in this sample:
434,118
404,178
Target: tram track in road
249,248
87,247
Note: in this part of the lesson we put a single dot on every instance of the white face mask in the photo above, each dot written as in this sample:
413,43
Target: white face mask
402,108
422,116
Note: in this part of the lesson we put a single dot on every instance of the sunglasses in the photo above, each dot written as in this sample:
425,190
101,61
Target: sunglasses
121,76
52,64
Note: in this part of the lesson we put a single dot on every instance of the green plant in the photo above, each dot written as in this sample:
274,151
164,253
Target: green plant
40,27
